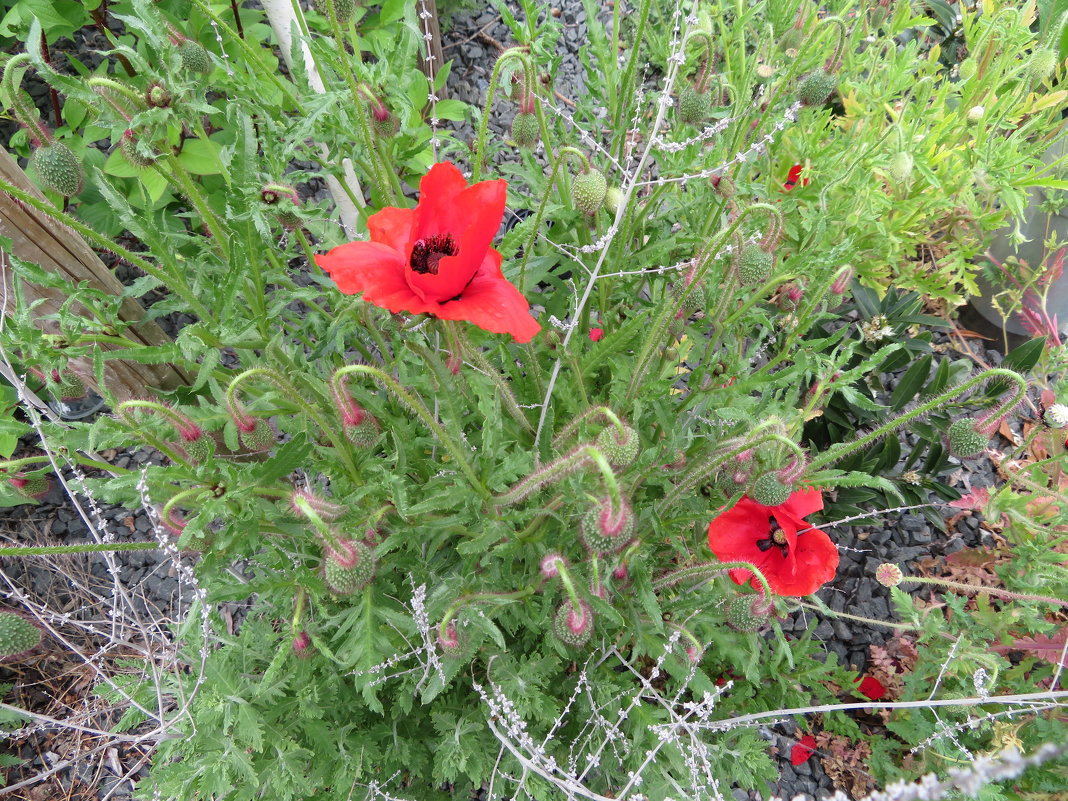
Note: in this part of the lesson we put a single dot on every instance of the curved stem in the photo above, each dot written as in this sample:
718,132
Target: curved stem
674,301
602,411
417,406
711,570
475,598
844,449
483,125
561,468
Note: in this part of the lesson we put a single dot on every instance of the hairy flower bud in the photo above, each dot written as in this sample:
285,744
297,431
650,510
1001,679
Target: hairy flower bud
620,450
965,441
67,386
255,434
19,635
817,87
723,185
32,487
550,564
976,114
588,191
1041,65
350,570
768,490
343,9
573,627
450,641
694,104
754,265
602,532
525,130
384,123
194,57
133,151
746,613
58,168
900,167
842,281
302,645
613,199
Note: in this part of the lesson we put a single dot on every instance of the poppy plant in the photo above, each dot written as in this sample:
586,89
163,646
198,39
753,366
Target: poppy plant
795,558
436,259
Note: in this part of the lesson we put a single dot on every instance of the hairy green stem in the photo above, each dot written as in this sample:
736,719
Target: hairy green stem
710,570
843,449
971,588
91,547
597,411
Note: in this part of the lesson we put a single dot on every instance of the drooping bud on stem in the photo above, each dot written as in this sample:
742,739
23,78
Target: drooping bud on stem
325,510
360,426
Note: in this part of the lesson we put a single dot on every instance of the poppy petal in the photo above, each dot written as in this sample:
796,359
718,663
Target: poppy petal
803,503
477,213
816,562
738,528
802,750
392,227
374,269
870,687
437,211
492,303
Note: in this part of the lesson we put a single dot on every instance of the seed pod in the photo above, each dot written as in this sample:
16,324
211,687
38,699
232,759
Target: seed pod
588,191
613,199
58,168
817,87
768,490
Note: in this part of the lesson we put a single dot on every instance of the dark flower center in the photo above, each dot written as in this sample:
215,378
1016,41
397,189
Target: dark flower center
426,253
776,538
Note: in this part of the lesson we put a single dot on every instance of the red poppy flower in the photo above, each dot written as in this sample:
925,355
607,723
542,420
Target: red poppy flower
804,749
871,688
792,177
596,334
436,258
767,536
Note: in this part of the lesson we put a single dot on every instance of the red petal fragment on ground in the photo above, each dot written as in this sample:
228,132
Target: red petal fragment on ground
804,749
